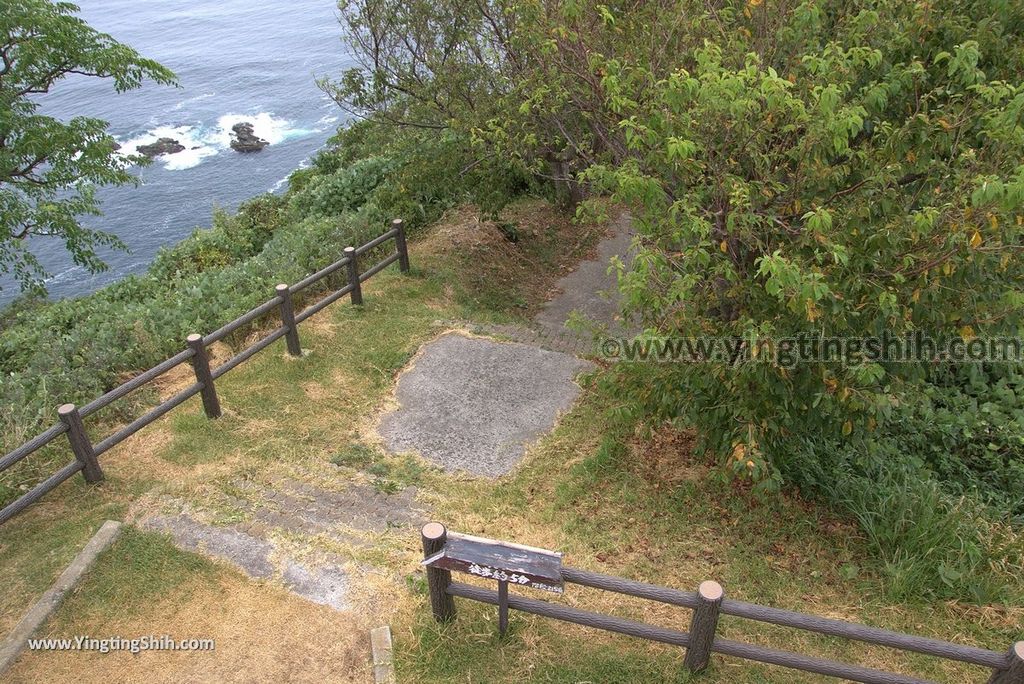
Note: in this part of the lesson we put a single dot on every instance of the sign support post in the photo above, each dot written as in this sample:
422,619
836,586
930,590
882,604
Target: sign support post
502,607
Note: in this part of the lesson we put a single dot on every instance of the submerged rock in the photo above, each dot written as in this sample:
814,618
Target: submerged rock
245,139
161,146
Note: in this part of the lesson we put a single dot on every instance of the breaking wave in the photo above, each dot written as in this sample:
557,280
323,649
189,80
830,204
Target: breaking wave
202,141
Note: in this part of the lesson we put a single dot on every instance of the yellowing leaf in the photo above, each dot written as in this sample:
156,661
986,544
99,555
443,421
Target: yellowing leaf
993,221
724,246
947,268
847,427
754,3
967,333
976,239
812,311
739,451
916,297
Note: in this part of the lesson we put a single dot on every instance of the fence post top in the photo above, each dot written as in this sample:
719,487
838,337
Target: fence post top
349,250
710,590
66,409
397,222
1018,650
281,287
193,338
434,530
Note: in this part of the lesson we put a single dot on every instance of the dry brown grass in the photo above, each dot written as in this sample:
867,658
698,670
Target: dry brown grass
262,634
550,245
182,376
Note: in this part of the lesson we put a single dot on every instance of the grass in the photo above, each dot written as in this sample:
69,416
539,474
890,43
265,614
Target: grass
143,586
643,507
137,570
647,509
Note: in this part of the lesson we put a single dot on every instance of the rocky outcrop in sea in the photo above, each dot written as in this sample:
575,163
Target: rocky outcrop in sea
161,146
245,139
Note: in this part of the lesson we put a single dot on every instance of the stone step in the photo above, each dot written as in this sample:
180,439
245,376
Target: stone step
291,509
325,582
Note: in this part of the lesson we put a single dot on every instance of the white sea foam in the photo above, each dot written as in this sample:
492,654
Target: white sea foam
304,164
201,142
190,100
326,121
196,147
264,125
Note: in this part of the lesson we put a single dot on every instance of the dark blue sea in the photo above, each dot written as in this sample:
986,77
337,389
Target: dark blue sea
235,61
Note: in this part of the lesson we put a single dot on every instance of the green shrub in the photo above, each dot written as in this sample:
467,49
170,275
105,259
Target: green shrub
231,239
342,191
74,350
966,425
930,542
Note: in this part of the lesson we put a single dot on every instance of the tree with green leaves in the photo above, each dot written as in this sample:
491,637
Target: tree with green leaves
50,169
812,167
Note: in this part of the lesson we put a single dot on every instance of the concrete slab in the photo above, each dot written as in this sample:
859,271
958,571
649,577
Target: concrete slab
327,585
249,553
473,405
383,655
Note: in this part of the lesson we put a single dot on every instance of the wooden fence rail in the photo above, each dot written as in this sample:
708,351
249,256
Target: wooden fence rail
71,417
511,564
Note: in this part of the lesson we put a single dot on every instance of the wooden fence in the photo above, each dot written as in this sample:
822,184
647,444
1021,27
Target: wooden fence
518,565
71,417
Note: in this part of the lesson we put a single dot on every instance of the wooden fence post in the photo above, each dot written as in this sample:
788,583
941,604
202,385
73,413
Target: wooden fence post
80,444
502,607
703,626
403,249
353,276
201,367
441,602
288,320
1014,673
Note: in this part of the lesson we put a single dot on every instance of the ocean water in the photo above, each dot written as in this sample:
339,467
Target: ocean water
235,61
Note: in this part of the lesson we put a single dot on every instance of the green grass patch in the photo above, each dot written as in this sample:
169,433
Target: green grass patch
137,570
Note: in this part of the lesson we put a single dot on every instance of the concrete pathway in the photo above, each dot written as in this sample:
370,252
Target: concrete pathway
590,290
475,405
471,404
